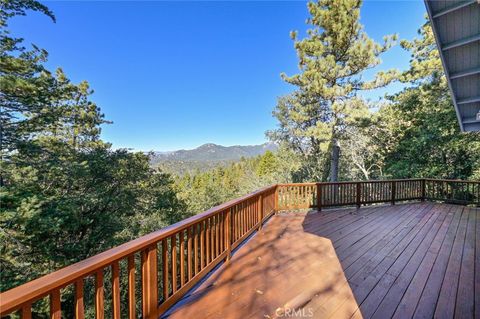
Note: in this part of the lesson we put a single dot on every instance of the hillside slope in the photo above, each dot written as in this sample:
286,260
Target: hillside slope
206,156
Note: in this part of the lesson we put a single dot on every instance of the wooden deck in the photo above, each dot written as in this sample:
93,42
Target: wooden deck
417,260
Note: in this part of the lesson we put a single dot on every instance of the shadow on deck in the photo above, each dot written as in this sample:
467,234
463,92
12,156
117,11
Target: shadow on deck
410,260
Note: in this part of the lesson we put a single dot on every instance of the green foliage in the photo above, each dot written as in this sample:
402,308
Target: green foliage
203,190
65,194
423,138
267,164
315,119
206,157
26,87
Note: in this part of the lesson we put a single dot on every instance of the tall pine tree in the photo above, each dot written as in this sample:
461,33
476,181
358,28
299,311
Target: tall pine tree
65,194
333,56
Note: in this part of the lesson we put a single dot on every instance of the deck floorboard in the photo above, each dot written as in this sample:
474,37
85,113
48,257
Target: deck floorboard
410,260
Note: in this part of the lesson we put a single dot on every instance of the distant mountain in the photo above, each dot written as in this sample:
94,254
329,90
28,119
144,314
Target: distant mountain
206,156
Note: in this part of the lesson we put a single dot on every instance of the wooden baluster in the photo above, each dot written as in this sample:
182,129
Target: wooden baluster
359,192
309,197
212,238
296,196
306,198
332,194
26,311
286,196
79,304
275,206
174,264
223,231
289,197
299,196
243,216
425,185
99,298
228,228
246,213
202,245
131,288
217,236
342,193
319,196
292,196
252,214
400,189
55,308
195,249
384,192
246,216
165,279
189,253
182,258
423,189
239,221
236,221
478,194
394,190
220,232
353,193
260,211
207,240
116,290
217,240
149,282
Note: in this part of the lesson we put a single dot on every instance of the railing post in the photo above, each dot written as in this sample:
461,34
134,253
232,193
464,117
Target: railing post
478,194
319,196
260,211
359,194
276,200
423,183
149,282
394,190
227,232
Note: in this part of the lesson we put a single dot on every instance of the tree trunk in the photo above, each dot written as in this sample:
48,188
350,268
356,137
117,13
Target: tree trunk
335,160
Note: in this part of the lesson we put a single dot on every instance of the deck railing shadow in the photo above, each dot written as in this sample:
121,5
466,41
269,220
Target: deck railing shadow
359,228
257,280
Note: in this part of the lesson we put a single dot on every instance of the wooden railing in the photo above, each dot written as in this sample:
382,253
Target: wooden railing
167,262
159,268
320,195
453,191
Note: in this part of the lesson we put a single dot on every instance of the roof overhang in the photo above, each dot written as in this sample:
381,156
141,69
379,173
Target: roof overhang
456,25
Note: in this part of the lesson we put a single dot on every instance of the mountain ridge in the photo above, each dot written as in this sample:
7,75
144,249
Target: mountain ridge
214,152
206,156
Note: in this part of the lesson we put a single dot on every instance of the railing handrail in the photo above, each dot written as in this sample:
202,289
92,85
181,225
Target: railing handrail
37,288
450,180
358,182
367,181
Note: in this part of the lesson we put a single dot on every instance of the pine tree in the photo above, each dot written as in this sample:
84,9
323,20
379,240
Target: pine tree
25,85
332,58
423,138
65,194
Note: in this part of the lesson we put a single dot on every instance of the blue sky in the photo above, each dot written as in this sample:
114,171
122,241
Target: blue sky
174,75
